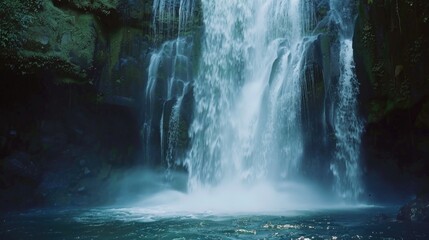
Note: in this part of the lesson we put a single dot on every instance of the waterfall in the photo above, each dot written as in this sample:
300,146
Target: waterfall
169,76
347,125
275,81
247,122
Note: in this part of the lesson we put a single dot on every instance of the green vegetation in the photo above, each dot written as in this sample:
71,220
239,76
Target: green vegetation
99,7
16,15
37,36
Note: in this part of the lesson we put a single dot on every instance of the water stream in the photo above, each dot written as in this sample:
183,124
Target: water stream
263,69
348,126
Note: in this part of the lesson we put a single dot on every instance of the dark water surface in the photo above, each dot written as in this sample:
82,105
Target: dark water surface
367,223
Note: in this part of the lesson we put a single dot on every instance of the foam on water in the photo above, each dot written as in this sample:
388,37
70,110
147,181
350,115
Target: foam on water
220,203
232,198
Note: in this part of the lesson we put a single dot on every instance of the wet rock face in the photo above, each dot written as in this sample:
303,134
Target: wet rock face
416,210
391,64
19,177
72,39
72,79
59,149
136,13
20,166
392,56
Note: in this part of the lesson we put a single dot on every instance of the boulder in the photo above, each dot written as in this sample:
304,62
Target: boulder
416,210
20,167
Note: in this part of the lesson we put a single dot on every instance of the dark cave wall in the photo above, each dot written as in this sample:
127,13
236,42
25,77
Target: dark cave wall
391,45
72,77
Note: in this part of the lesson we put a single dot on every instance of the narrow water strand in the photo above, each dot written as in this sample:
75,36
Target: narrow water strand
171,17
168,83
347,125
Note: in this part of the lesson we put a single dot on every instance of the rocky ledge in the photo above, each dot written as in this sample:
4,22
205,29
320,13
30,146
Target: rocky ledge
416,210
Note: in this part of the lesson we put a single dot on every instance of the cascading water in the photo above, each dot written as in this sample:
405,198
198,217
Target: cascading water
347,125
169,77
248,92
248,123
263,66
172,16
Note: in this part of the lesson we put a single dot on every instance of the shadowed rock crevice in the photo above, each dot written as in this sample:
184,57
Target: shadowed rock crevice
391,53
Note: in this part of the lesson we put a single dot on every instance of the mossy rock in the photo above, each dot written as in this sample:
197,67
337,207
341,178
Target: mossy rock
101,8
51,40
124,55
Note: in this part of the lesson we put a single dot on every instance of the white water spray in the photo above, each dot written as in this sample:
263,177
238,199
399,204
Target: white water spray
248,93
247,132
